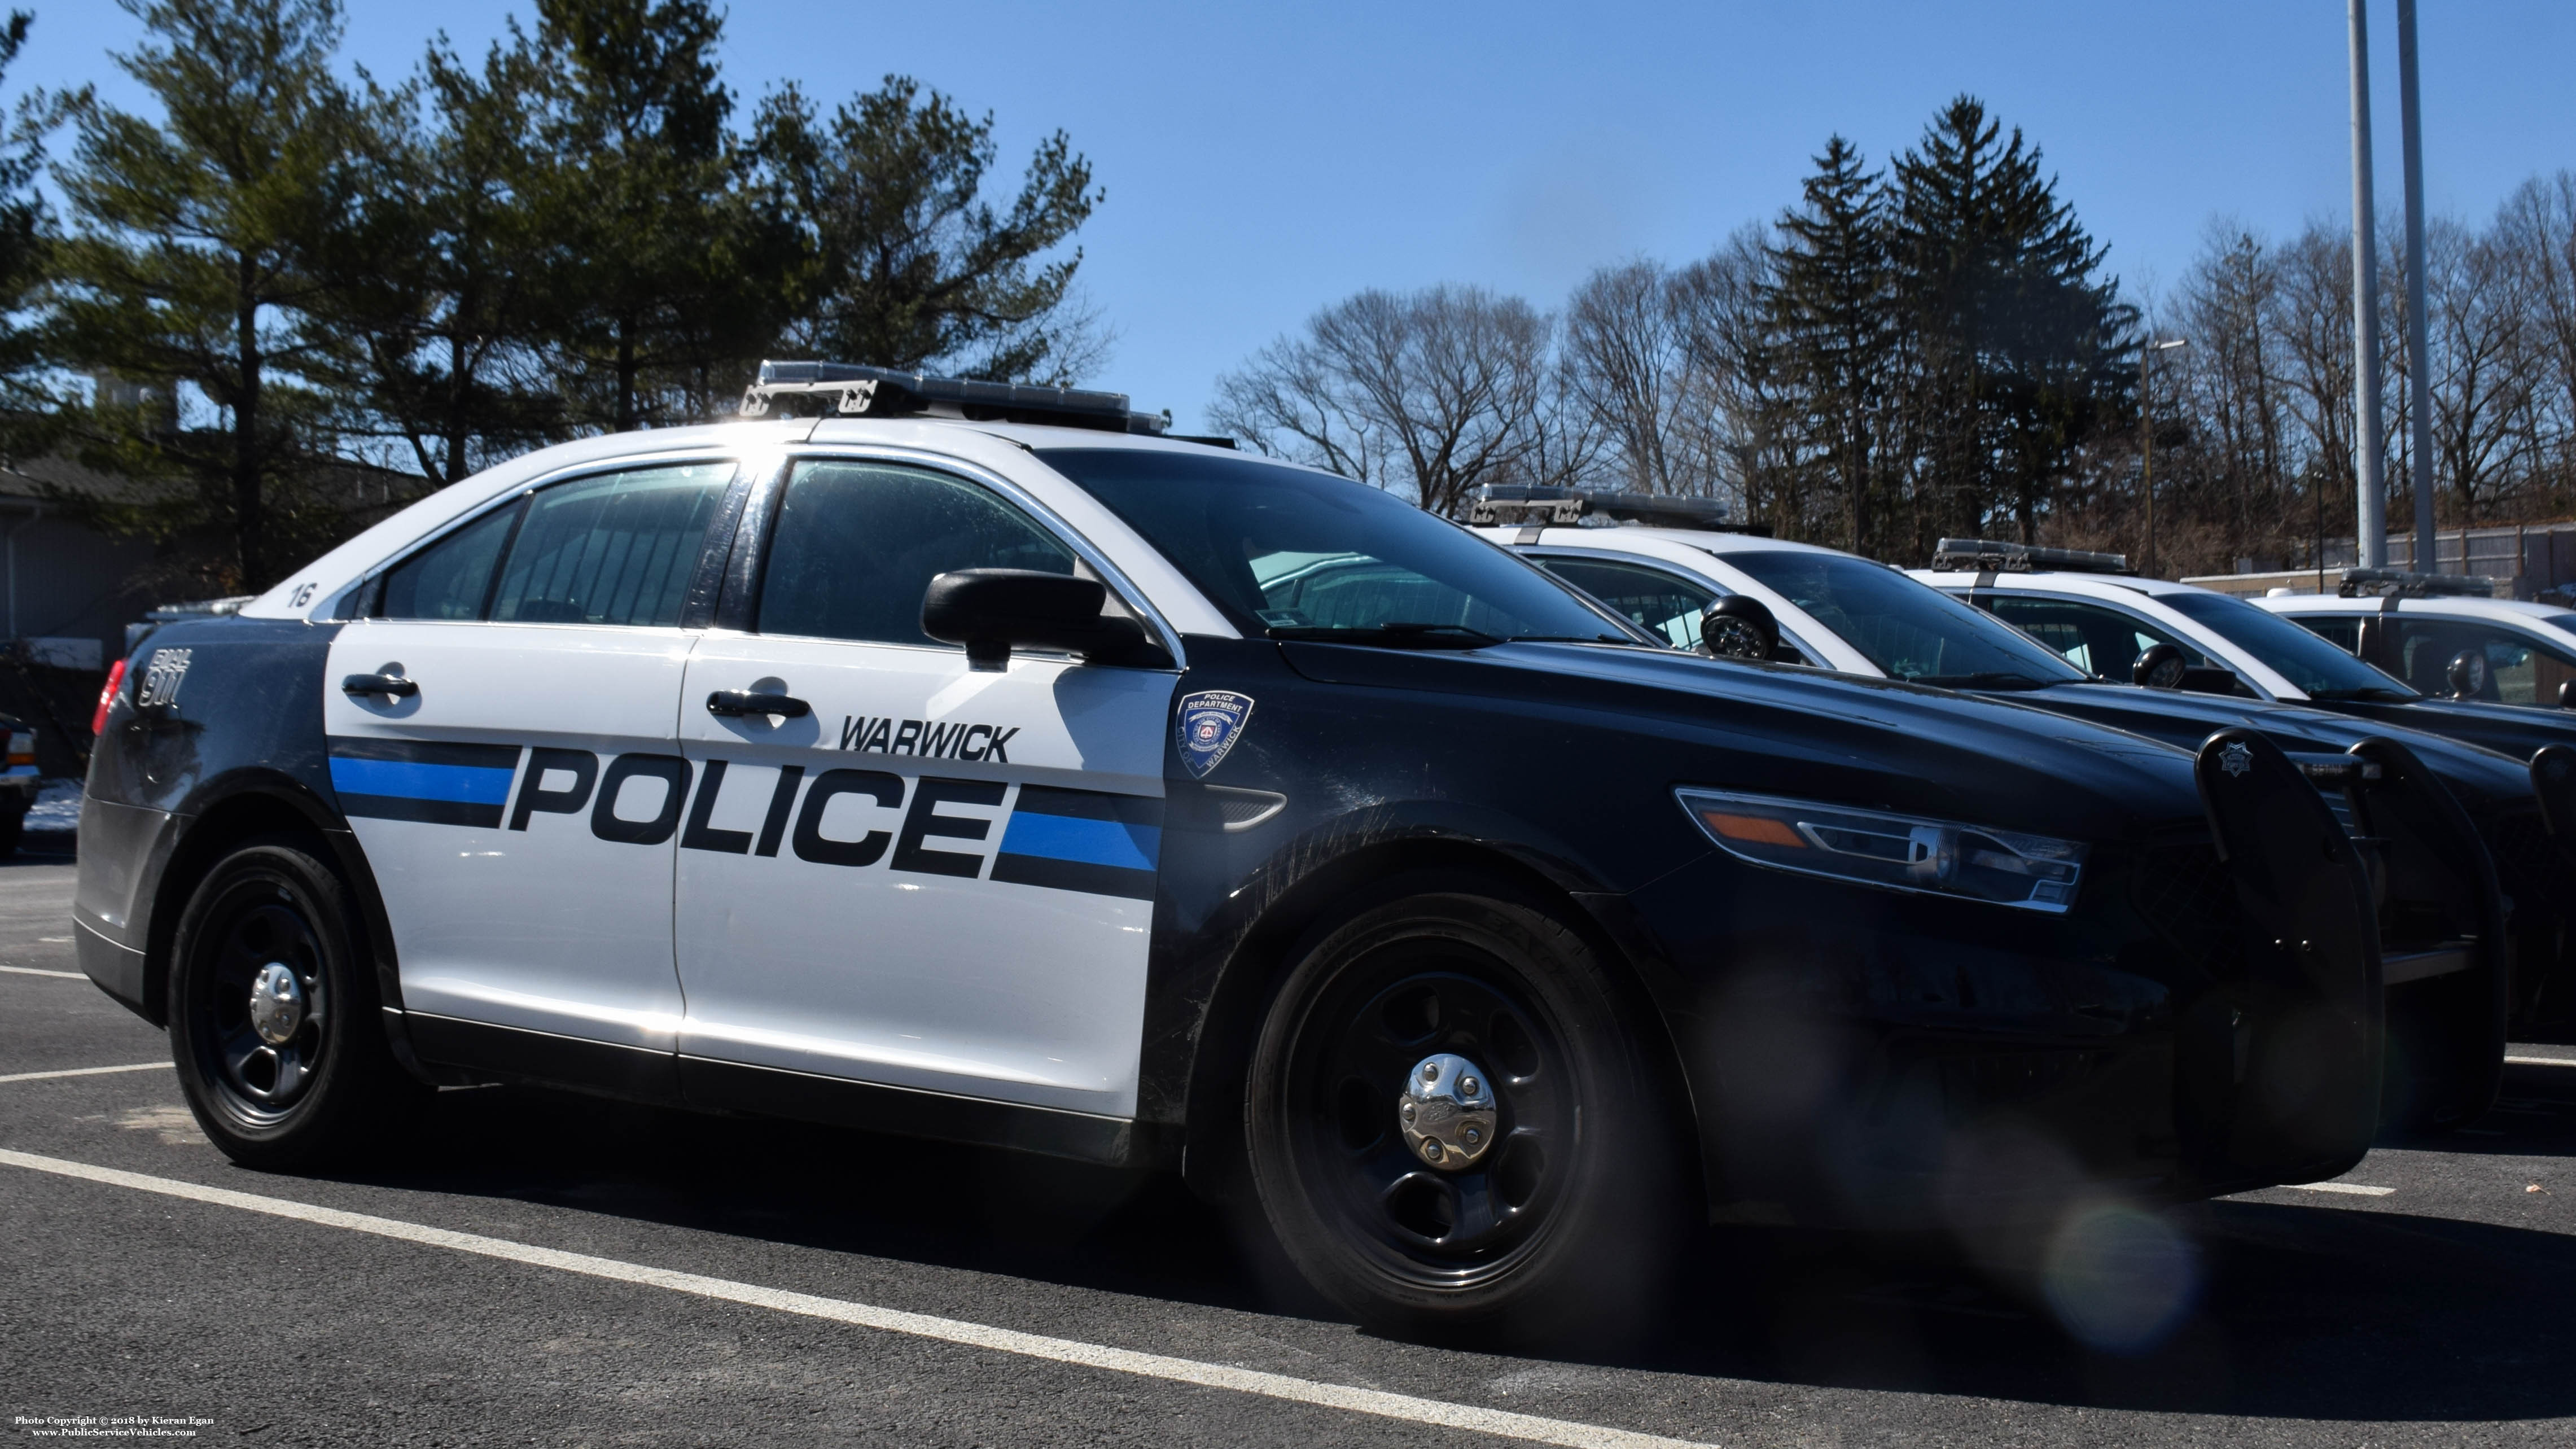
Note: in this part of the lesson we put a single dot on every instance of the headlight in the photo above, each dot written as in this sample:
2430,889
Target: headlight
1893,852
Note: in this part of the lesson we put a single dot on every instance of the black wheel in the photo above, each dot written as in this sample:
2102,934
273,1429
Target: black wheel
1450,1126
273,1016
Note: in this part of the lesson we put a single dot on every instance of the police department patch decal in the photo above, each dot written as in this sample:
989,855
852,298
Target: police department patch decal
1210,722
2236,759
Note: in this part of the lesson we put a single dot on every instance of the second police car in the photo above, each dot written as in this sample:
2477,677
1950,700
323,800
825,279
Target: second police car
972,763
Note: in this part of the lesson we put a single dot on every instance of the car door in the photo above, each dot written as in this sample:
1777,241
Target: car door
502,741
933,876
2093,637
2508,666
1663,602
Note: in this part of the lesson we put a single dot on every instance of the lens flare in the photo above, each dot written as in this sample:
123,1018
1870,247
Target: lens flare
2120,1279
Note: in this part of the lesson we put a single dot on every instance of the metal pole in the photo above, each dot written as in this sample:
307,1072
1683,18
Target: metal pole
2370,479
2147,453
2419,370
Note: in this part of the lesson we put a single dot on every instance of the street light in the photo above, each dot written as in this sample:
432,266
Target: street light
2147,435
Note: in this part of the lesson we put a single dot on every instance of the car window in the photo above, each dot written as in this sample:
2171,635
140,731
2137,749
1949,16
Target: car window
857,544
2095,638
452,578
1298,554
2343,631
1907,628
614,548
2313,666
1665,605
2519,670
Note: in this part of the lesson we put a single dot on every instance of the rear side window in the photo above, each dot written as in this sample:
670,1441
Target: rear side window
2340,630
857,544
2094,639
618,548
1663,605
452,578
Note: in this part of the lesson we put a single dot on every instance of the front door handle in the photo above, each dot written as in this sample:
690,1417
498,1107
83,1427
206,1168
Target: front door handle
753,701
393,686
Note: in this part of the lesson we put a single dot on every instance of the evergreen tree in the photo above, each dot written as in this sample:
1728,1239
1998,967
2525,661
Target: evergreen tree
186,270
2019,345
25,256
1831,333
911,265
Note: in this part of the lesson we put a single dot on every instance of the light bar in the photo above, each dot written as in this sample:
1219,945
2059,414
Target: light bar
1527,503
858,391
2400,584
1982,555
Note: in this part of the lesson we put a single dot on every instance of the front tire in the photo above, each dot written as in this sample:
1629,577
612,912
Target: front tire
273,1013
1564,1222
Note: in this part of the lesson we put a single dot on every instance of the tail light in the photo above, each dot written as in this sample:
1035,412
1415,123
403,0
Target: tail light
22,749
107,699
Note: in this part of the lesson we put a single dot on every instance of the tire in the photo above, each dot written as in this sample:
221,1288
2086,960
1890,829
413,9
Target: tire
1568,1223
314,1078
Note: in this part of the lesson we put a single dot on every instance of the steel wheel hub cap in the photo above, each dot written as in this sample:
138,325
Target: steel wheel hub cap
1447,1110
276,1004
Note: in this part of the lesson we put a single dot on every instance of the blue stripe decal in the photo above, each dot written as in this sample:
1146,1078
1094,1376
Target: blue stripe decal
1093,842
413,781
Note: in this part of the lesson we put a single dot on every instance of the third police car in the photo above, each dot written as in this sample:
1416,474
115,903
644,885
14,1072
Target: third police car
970,761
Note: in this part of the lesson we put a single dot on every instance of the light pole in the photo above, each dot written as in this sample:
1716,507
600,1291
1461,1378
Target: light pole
2147,440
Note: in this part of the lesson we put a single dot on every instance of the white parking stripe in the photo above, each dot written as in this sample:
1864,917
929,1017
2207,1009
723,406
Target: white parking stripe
32,971
83,1072
2540,1061
2354,1188
1528,1427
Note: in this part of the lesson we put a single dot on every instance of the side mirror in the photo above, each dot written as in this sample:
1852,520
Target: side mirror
1738,627
2567,695
991,611
2468,674
2161,667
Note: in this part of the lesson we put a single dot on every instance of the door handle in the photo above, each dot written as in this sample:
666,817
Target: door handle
748,701
390,685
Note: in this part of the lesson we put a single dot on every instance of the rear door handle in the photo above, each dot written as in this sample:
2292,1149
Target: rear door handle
390,685
747,701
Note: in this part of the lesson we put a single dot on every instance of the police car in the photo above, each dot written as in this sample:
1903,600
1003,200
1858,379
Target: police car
2431,811
20,780
2447,635
970,761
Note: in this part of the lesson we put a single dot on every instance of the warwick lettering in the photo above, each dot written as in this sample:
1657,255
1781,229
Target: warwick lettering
932,739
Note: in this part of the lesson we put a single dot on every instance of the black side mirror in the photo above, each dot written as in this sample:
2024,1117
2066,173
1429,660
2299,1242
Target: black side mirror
2468,674
992,610
2161,667
2567,695
1737,627
2553,778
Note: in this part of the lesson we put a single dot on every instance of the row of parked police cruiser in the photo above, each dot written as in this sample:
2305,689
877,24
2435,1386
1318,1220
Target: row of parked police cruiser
1474,916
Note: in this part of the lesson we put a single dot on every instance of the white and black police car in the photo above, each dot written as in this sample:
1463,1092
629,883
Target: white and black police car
970,761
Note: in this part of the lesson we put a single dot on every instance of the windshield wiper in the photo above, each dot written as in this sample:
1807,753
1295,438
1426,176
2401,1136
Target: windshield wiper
1392,636
1983,679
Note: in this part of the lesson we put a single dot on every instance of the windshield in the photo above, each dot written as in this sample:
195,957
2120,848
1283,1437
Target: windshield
1908,629
2314,666
1302,555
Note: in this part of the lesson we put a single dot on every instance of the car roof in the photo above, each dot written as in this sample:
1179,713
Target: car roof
2335,603
1706,540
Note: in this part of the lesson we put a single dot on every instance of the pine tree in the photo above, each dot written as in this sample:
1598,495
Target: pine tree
2019,345
25,257
186,269
1831,331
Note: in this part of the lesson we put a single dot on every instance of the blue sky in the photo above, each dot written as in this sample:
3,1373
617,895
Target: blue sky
1263,162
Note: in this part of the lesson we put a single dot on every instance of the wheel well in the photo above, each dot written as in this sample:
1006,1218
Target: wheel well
1266,952
223,825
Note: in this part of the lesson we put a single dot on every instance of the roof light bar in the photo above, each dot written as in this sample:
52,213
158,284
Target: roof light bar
854,390
1982,555
2400,584
1529,503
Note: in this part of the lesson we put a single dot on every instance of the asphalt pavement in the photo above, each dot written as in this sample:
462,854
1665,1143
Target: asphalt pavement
539,1268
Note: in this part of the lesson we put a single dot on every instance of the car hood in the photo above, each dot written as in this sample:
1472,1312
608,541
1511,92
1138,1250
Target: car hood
2478,776
1808,733
2513,729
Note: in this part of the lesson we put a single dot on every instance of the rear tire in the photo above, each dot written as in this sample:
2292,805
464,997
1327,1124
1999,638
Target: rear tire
274,1018
1568,1225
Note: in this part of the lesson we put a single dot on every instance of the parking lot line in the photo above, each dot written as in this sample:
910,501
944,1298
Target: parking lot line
32,971
2354,1188
82,1072
1530,1428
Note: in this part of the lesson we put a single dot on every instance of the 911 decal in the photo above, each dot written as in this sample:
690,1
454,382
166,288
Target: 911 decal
1055,838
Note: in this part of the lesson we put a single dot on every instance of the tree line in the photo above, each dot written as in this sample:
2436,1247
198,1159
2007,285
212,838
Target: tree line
1937,348
296,294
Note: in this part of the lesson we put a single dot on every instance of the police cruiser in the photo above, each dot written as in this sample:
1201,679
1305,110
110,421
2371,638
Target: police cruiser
2429,810
2447,635
971,761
